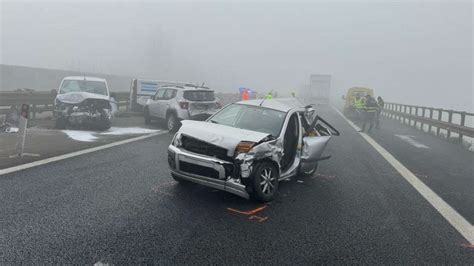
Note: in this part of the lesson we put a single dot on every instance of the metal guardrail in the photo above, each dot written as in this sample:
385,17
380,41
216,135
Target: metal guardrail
42,101
433,118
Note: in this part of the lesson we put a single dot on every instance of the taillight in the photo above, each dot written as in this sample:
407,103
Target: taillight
218,105
184,105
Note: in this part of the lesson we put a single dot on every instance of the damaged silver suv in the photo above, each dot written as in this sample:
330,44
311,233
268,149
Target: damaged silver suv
248,147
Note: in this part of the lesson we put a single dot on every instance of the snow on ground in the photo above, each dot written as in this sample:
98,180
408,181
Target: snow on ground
80,135
90,136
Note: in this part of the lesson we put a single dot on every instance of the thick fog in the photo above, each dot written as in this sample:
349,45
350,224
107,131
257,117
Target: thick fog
409,52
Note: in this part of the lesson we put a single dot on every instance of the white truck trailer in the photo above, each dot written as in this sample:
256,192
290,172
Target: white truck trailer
319,88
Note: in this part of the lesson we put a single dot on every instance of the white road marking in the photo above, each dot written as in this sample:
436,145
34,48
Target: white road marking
76,153
412,142
452,216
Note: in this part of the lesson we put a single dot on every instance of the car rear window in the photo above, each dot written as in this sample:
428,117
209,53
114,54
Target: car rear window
199,96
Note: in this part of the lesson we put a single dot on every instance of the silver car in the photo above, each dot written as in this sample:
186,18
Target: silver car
176,103
248,147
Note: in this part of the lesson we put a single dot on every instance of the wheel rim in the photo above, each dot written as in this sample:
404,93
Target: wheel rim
267,181
170,123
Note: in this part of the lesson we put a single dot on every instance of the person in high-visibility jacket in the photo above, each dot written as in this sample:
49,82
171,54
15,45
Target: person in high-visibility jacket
245,95
370,111
358,102
269,95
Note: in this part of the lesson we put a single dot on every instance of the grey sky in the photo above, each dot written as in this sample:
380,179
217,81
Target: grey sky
411,52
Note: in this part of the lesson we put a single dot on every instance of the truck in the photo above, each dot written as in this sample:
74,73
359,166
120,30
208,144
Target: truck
319,88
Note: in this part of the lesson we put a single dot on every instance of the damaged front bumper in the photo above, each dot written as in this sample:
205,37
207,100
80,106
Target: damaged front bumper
205,170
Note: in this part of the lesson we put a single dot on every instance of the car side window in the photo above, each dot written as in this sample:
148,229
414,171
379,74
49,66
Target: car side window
169,94
159,94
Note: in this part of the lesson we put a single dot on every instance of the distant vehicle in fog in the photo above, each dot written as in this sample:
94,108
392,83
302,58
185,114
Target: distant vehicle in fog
83,102
176,103
319,88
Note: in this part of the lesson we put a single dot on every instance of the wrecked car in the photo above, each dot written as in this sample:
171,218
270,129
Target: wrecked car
248,147
83,102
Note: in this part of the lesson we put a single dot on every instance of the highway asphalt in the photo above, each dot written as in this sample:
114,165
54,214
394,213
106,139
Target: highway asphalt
120,205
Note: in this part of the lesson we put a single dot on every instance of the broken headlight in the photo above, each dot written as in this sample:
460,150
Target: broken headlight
176,140
244,147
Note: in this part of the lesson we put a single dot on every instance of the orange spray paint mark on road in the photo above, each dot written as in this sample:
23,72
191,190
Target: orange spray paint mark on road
251,212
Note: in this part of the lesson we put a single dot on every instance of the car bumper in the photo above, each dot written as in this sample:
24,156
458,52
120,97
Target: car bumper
204,170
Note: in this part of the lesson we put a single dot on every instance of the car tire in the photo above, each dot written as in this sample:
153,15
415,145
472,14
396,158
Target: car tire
172,123
147,116
265,182
60,123
308,172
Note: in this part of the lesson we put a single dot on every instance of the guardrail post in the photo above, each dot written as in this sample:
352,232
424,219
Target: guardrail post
422,114
409,120
431,117
450,120
399,112
440,115
463,122
416,114
404,112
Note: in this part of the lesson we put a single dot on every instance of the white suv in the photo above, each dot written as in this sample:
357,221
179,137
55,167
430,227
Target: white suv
175,103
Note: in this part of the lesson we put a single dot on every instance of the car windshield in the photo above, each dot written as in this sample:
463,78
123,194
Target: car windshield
251,118
199,95
97,87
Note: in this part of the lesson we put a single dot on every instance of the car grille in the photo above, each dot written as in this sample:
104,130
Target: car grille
198,170
201,147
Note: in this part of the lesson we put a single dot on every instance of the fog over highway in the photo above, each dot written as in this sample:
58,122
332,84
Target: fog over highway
416,52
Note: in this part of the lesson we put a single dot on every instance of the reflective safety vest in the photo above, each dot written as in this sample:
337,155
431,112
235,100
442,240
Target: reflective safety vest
359,104
269,96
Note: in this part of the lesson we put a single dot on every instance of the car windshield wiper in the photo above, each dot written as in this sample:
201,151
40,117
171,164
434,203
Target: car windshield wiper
213,121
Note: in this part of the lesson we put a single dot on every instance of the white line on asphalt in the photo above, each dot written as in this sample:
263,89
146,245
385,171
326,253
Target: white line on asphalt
76,153
451,215
412,142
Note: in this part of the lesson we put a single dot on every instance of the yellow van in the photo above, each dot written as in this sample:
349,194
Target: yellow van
351,94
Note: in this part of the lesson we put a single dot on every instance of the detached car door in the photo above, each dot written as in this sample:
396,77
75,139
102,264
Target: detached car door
317,133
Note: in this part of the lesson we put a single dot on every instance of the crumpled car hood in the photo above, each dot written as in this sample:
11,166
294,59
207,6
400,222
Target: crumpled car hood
220,135
78,97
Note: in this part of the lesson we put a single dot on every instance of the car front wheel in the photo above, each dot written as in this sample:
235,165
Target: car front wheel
265,182
172,123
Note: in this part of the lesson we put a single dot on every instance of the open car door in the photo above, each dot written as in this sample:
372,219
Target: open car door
317,133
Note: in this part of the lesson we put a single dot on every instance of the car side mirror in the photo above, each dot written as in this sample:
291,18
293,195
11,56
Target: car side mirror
54,92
